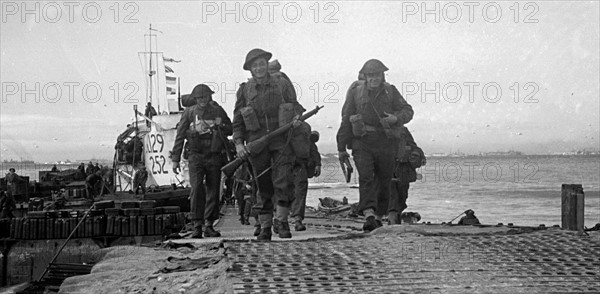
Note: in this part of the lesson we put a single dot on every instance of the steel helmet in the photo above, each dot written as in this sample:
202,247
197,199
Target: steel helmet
254,54
274,66
201,90
373,65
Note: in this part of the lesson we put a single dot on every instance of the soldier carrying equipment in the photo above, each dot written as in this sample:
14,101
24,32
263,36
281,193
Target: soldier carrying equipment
258,145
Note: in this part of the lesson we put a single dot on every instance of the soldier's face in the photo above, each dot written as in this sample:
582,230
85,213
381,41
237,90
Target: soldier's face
374,79
259,68
202,101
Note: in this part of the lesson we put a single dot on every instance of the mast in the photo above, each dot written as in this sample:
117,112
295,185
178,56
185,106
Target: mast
150,71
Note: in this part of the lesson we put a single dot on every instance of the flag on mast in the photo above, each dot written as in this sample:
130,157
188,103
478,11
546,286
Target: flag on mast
171,80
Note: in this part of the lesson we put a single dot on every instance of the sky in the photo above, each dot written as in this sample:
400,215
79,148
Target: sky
480,76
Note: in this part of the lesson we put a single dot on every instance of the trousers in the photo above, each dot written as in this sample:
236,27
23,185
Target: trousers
204,198
374,158
300,190
275,187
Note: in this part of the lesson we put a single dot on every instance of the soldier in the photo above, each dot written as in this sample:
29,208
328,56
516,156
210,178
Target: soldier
275,70
139,180
12,180
305,168
149,112
89,169
370,116
200,125
7,205
263,104
93,185
408,158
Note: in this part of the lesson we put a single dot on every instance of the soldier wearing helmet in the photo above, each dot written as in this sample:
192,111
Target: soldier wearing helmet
371,116
200,125
304,169
263,104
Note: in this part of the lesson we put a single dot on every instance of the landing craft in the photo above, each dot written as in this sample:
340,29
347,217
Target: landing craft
148,141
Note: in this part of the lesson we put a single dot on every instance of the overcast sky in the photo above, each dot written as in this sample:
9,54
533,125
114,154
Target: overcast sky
521,76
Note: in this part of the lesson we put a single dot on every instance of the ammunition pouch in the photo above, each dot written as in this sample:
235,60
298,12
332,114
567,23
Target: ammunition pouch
250,119
216,143
358,125
286,114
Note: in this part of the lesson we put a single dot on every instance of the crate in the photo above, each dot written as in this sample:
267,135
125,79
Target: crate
105,204
147,204
113,211
170,209
131,211
129,204
147,211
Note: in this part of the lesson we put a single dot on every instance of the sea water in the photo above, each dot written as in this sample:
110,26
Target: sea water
523,190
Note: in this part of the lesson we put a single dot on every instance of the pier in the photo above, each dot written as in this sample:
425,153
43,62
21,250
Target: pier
335,256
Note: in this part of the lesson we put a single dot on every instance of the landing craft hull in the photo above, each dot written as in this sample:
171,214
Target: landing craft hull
157,143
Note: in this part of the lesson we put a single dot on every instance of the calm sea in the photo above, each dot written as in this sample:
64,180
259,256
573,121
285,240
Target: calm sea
523,190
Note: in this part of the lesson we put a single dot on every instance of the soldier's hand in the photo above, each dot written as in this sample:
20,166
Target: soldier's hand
343,155
317,171
218,121
176,167
296,122
241,151
390,118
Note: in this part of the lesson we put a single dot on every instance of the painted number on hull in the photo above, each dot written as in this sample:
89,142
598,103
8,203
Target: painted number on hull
158,164
156,143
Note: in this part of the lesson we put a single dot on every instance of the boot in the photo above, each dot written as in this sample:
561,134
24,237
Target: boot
276,223
266,222
370,224
284,230
299,226
393,218
209,231
197,233
246,221
257,230
265,235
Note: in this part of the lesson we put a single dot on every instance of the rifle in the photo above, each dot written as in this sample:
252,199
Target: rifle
346,169
255,147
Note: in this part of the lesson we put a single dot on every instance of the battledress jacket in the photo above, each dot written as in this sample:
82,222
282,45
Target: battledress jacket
385,99
200,143
264,100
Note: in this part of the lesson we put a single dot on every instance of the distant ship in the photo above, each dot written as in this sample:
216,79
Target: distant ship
503,153
18,161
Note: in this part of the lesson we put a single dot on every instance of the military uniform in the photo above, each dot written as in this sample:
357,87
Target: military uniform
372,148
304,168
408,158
139,180
256,114
205,147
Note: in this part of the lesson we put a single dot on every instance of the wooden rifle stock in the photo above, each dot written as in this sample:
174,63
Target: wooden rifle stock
255,147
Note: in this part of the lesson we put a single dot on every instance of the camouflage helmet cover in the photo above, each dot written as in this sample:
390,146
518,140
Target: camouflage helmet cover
372,66
254,54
